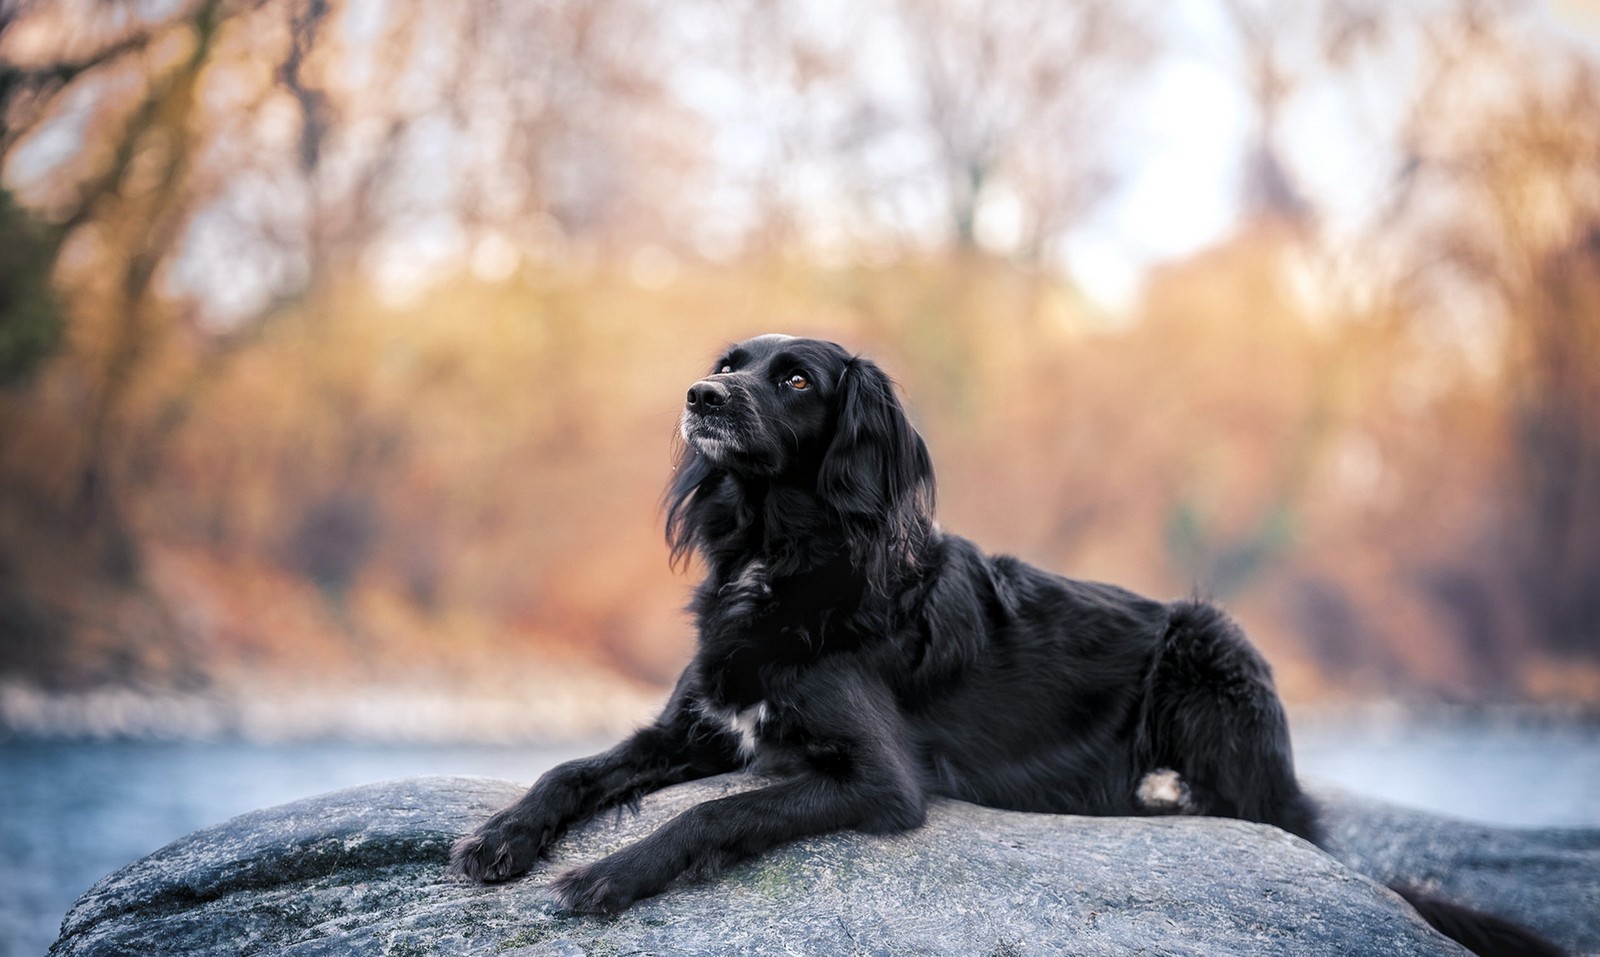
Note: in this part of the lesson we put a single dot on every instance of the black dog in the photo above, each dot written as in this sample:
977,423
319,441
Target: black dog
872,661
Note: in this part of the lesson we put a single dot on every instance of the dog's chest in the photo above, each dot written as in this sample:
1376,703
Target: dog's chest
744,724
782,614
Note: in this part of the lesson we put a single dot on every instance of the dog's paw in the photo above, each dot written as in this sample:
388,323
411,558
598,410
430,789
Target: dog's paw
604,887
498,851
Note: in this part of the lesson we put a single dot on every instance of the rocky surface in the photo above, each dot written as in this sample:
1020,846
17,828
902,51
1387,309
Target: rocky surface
361,871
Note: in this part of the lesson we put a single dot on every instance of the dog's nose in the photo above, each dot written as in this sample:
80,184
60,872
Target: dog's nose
707,396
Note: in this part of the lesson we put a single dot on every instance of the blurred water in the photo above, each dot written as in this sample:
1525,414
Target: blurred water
1540,776
71,813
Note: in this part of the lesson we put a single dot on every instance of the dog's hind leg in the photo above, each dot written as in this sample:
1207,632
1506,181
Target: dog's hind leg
1218,723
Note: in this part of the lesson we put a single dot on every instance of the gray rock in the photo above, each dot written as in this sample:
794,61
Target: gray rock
361,871
1546,878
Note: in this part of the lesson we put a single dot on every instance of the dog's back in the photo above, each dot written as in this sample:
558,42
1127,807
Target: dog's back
1067,696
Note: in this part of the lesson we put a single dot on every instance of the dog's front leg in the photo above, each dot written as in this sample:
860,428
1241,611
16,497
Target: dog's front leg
667,752
857,774
709,836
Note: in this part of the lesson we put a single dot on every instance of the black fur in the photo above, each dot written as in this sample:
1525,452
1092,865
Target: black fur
879,661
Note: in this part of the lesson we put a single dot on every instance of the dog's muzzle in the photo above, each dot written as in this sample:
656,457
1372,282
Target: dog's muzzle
705,424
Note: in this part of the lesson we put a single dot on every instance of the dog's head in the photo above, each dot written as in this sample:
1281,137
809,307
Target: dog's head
804,412
767,406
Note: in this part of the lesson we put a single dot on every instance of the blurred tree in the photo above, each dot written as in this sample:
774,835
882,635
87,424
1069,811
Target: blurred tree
135,200
1499,192
1021,97
360,303
1556,381
945,124
218,160
1266,33
30,322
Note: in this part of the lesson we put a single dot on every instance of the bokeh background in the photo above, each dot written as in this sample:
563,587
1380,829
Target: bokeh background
342,344
342,341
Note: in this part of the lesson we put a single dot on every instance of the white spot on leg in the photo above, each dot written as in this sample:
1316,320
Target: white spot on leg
1163,790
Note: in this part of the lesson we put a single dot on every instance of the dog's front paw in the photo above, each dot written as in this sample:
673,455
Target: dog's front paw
604,887
499,850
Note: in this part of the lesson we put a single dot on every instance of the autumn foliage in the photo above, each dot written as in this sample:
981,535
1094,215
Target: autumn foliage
293,461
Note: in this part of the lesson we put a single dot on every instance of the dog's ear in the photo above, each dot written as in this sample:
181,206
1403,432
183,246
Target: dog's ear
682,525
876,472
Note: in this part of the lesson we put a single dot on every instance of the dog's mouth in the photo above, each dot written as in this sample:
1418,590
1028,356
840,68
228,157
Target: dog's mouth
710,434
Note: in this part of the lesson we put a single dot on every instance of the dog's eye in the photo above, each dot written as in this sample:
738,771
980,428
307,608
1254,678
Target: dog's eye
726,368
797,381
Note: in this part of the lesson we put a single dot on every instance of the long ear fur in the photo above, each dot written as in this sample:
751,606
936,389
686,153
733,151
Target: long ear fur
877,475
683,529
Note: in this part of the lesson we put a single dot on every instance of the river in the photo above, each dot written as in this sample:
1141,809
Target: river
73,812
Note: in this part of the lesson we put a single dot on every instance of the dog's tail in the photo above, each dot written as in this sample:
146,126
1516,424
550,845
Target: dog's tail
1484,934
1216,720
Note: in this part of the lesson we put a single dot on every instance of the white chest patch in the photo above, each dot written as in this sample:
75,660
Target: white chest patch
745,724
